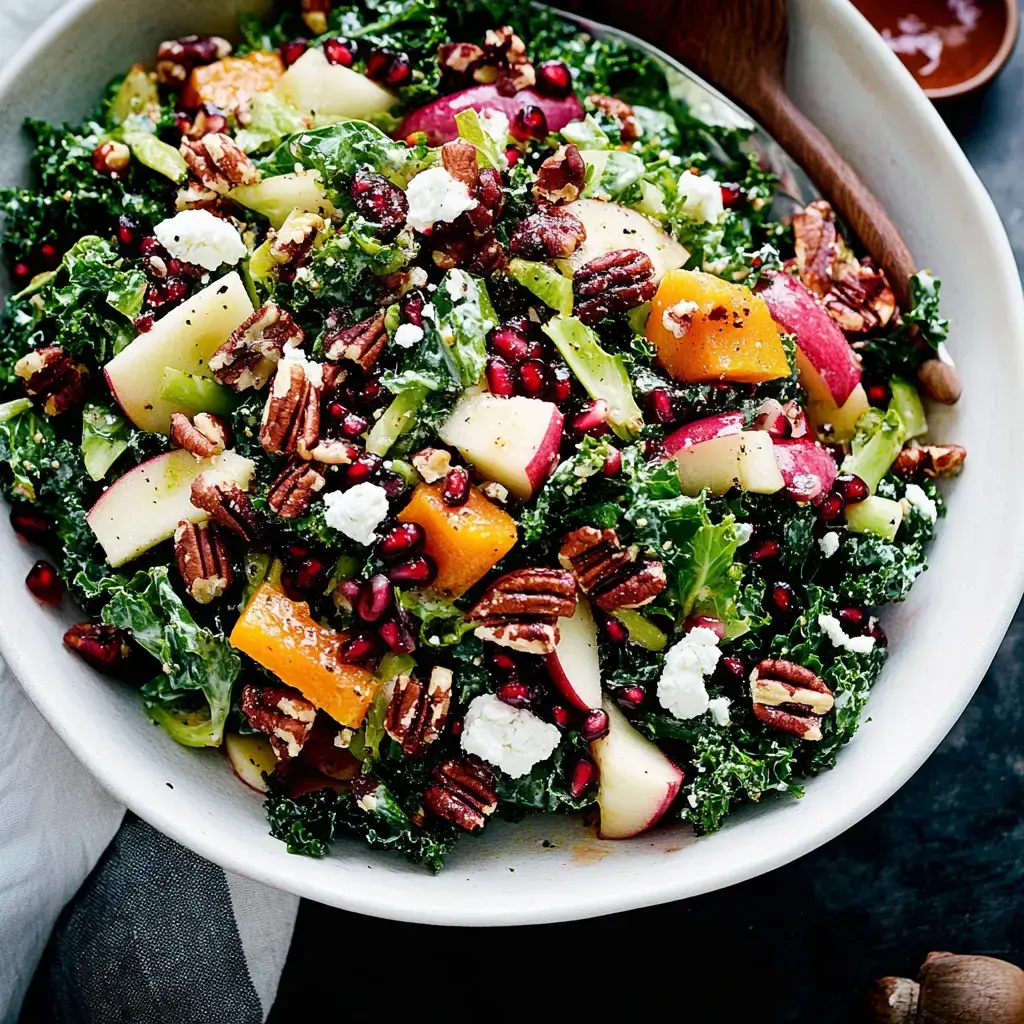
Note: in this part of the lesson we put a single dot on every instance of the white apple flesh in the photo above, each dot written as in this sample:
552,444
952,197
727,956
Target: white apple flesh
331,92
250,757
277,197
830,421
142,508
637,782
513,441
611,227
574,666
184,340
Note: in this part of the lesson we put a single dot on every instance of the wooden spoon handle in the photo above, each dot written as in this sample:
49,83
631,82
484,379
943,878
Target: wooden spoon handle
837,180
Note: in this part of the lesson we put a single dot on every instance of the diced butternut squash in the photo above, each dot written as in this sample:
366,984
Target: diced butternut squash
281,635
466,541
232,82
706,329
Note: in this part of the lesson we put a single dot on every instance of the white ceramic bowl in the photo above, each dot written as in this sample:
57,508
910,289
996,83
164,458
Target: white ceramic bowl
942,639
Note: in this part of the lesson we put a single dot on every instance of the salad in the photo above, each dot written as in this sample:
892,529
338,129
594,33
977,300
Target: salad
431,412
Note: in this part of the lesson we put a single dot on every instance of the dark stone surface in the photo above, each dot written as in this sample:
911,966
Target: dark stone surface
940,866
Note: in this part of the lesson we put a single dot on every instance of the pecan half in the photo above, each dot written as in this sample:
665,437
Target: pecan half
203,560
294,239
459,160
227,504
248,357
432,464
314,14
292,493
204,436
562,177
507,52
175,58
291,417
607,570
283,714
218,162
633,587
193,196
930,460
460,61
521,609
464,793
52,375
629,127
361,343
335,452
790,698
417,714
613,283
552,233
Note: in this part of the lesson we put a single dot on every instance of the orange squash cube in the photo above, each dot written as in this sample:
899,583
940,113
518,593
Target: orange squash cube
280,634
466,542
232,82
706,329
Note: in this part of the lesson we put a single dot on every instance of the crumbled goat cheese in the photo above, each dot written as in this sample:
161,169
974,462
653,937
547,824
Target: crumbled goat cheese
408,335
434,195
701,198
357,512
511,739
678,318
681,687
918,499
832,628
719,708
743,531
829,544
314,371
197,236
495,124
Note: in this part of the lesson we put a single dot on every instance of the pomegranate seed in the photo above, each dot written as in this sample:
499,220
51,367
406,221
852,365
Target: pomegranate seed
516,693
732,194
30,524
717,626
149,246
554,78
144,323
361,470
615,631
499,378
155,296
593,419
22,272
347,593
398,636
561,383
852,619
420,571
512,155
292,51
387,67
503,662
363,393
661,406
341,51
103,647
127,232
455,727
561,716
533,377
360,647
595,725
631,698
654,449
613,464
783,600
831,507
530,122
44,583
878,633
535,350
581,778
733,667
299,552
353,425
405,539
336,412
510,344
175,289
309,573
878,394
48,256
392,484
765,550
375,598
456,487
851,487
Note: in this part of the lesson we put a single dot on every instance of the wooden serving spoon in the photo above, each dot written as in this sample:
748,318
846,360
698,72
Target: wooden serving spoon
740,47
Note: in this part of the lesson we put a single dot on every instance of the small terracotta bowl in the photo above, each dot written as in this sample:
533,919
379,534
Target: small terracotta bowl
992,68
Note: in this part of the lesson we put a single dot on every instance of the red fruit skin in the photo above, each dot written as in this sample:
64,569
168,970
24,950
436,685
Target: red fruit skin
807,468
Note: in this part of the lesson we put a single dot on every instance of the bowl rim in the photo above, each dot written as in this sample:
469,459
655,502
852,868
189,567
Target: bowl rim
113,768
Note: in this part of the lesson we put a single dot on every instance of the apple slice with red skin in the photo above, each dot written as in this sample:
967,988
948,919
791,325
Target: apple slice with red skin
637,781
807,468
437,119
573,665
513,441
707,429
249,757
796,309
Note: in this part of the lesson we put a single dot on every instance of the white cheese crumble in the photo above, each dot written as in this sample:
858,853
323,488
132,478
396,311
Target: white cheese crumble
719,708
434,195
678,318
197,236
917,497
313,370
743,531
701,198
829,544
511,739
833,629
357,512
681,688
495,124
408,335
